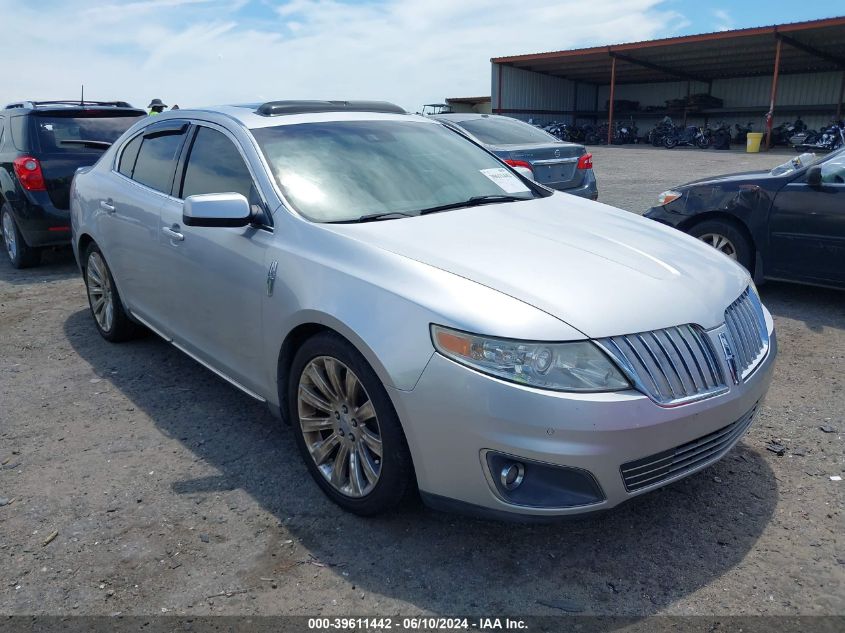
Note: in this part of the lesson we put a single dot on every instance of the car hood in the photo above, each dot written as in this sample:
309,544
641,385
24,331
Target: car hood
603,271
732,179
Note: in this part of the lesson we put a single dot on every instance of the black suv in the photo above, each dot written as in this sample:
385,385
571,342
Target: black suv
42,143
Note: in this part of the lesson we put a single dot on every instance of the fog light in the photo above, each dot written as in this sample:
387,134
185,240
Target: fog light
512,475
526,482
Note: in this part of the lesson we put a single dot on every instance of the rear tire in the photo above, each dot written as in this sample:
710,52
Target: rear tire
21,254
111,319
726,238
335,434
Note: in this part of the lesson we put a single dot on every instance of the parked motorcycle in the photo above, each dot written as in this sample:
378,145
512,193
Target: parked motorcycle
625,133
690,135
660,131
720,136
831,138
742,132
783,132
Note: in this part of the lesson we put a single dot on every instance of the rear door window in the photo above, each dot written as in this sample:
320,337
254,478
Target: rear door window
94,131
156,162
215,166
130,153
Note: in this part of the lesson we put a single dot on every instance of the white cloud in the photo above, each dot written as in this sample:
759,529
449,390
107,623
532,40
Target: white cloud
195,52
724,21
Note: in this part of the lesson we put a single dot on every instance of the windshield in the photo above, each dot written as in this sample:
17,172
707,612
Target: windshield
340,171
794,164
87,133
502,130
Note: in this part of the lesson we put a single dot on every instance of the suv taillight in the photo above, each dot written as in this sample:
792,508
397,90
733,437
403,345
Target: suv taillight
522,167
585,162
28,171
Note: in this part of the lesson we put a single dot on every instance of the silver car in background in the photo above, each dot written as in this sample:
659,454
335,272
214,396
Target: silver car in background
557,164
422,315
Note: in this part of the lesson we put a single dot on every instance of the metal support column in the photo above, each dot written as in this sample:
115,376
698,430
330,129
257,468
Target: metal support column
841,97
771,114
612,95
498,109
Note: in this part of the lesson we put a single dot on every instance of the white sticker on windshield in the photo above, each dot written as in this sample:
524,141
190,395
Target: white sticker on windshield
507,181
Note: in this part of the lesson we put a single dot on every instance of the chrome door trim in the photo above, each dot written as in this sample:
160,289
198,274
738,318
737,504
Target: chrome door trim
154,329
168,339
228,379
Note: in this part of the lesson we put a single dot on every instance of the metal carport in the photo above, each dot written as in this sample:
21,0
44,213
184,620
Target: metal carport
700,62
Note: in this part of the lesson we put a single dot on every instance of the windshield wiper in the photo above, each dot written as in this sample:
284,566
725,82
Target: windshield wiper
87,143
374,217
472,202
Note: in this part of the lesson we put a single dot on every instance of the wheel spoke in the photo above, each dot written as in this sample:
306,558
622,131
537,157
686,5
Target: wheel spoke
365,412
109,315
340,466
371,440
323,449
309,396
311,423
94,271
320,383
350,386
355,476
333,374
98,305
367,464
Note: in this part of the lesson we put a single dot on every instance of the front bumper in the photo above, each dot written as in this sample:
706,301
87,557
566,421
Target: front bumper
665,216
455,415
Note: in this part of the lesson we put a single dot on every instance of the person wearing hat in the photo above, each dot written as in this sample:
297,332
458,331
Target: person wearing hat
156,106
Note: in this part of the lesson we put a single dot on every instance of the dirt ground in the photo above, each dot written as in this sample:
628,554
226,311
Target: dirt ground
165,490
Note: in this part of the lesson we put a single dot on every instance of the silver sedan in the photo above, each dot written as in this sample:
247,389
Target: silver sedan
425,317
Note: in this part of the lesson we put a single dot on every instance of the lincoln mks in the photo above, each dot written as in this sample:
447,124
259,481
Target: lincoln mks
424,316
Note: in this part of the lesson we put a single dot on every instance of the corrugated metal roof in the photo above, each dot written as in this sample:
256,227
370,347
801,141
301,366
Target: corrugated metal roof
817,45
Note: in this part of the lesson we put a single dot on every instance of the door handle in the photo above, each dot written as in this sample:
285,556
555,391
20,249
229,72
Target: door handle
173,234
107,205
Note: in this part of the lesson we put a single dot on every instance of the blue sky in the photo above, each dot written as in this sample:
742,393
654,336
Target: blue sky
196,52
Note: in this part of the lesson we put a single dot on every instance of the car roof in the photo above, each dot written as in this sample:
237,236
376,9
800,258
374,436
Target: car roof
466,116
72,106
248,116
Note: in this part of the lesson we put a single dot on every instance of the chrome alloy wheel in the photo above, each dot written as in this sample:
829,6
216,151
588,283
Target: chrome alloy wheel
100,291
9,236
340,426
720,243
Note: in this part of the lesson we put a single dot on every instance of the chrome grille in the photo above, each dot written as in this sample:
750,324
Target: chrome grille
747,328
655,469
671,366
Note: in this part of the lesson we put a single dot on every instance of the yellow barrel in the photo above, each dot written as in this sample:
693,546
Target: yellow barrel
752,143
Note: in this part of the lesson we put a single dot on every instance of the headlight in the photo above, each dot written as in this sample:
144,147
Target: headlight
577,366
668,196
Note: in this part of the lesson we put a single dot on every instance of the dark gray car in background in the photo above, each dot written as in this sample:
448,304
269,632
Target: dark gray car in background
566,167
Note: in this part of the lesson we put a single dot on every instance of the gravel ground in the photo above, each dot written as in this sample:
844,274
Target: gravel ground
164,490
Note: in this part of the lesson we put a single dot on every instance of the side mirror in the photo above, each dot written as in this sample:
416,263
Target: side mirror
216,209
814,176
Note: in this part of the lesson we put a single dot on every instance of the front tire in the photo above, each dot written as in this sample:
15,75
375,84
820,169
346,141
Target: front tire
346,427
727,239
21,254
112,321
